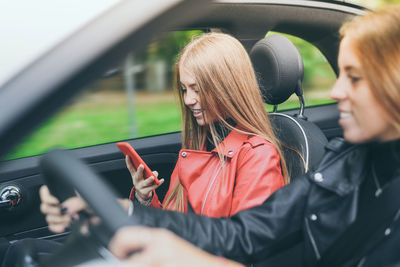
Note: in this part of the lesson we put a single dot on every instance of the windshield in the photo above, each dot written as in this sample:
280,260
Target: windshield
28,28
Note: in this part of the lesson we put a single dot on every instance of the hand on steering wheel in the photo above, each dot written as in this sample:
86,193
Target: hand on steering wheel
65,175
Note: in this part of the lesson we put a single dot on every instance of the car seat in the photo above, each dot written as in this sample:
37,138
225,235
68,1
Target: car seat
279,70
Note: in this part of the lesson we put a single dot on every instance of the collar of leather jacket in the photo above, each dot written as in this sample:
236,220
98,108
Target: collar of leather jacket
342,168
231,144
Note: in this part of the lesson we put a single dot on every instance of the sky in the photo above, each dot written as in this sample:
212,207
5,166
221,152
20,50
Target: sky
27,28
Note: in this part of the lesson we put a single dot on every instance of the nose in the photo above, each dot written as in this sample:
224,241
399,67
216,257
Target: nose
190,98
338,91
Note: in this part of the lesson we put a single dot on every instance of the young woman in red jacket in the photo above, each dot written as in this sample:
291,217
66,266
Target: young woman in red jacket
230,159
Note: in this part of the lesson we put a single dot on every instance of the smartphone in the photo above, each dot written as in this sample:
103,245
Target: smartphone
127,149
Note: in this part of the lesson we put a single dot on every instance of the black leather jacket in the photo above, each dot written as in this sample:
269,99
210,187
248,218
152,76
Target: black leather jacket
311,212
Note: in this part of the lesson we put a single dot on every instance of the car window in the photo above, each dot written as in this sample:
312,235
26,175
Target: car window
319,76
134,99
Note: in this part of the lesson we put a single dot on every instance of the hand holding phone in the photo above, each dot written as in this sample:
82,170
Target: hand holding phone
128,150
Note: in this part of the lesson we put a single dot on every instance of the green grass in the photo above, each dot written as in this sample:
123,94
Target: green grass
158,119
85,125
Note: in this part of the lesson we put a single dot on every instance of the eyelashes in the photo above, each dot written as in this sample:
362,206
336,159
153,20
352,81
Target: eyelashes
354,79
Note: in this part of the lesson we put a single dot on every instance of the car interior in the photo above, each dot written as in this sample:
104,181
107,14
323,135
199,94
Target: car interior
304,130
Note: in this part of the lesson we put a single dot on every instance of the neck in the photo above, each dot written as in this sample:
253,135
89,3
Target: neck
221,131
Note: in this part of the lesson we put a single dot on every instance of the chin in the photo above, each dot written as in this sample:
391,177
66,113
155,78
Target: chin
355,138
201,122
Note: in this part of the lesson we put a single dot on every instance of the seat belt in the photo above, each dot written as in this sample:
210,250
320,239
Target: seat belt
380,211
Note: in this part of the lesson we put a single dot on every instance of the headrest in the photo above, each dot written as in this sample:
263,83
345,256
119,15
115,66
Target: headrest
279,68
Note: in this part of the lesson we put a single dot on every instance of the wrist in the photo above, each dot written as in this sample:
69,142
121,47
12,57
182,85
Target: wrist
145,202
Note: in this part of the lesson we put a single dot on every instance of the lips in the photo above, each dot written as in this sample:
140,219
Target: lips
197,112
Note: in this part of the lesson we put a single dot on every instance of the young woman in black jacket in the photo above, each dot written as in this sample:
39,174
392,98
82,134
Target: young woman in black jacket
315,211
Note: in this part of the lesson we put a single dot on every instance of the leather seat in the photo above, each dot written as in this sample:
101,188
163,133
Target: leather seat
279,70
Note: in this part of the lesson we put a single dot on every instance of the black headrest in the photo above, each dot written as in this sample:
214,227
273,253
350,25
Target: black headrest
279,68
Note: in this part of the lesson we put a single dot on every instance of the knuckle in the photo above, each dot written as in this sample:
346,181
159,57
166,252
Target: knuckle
55,228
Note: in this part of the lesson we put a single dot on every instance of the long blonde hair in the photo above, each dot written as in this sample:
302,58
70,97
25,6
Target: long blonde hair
376,39
228,87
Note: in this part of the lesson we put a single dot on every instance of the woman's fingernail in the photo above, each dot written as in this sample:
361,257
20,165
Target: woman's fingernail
64,210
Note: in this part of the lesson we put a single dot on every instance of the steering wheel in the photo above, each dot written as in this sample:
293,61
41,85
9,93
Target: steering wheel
64,174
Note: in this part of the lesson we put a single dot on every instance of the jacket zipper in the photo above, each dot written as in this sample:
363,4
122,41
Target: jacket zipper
314,245
209,188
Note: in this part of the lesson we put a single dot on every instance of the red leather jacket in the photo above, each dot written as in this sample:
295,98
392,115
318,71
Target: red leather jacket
251,173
